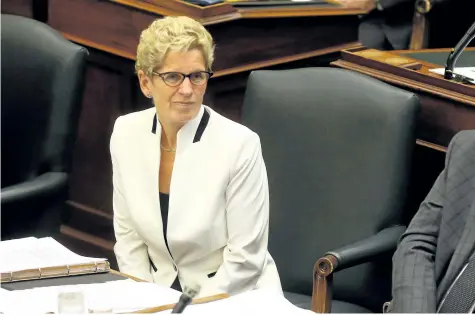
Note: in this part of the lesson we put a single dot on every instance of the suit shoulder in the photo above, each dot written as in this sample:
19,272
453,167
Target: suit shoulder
141,119
463,142
129,125
227,128
462,149
465,138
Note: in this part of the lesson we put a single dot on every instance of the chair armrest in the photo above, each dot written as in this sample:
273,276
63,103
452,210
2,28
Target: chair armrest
365,250
350,255
46,184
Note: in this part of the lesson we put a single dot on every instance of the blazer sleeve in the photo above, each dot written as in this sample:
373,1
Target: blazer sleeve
414,286
130,250
247,210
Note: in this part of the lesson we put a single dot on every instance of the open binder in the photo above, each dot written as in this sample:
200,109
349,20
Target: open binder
37,258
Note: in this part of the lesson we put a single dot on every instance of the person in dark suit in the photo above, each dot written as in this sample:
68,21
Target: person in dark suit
434,264
388,24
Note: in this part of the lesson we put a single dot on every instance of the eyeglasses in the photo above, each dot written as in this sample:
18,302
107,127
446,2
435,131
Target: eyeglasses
176,78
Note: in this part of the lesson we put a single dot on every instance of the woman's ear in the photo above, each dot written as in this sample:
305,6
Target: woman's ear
145,84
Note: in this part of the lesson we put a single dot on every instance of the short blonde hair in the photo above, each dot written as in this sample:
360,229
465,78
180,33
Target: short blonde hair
172,33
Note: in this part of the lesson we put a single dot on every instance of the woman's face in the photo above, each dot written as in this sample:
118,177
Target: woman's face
176,105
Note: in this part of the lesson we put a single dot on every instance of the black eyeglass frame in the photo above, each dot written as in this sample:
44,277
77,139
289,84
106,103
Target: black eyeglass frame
184,76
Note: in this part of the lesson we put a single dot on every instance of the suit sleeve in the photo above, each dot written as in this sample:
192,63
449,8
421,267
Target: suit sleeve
247,211
414,286
130,250
388,4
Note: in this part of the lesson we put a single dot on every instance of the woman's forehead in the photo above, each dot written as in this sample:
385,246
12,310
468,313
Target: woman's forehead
192,60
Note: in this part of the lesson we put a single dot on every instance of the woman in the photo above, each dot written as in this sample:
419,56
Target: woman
191,200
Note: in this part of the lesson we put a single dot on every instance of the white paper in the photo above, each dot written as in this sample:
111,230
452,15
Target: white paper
33,253
122,296
4,294
125,296
251,302
468,72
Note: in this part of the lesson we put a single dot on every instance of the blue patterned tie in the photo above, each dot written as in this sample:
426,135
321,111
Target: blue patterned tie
461,295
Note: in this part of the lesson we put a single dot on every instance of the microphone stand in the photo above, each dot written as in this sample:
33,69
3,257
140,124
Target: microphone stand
449,73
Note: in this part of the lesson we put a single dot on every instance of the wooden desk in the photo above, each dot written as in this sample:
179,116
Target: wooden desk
446,107
246,38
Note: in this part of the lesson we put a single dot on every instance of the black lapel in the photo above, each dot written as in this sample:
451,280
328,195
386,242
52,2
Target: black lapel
202,126
154,123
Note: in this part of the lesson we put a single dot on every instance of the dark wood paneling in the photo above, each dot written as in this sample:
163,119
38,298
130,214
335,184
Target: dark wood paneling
441,118
18,7
36,9
105,22
276,38
90,178
238,42
87,245
90,220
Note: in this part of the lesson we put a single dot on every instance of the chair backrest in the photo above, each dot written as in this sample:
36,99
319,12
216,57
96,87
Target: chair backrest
337,147
42,87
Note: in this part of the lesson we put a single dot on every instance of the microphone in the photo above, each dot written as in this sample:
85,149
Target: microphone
189,292
455,53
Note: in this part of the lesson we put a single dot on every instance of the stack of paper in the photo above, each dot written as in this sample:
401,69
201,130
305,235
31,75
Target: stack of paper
468,72
34,253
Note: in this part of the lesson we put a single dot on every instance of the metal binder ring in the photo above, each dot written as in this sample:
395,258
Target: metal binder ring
39,277
67,274
95,264
11,276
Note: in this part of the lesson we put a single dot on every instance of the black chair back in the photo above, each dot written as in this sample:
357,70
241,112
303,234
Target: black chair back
42,87
337,147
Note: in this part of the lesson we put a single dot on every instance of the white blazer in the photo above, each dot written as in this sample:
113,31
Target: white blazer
218,218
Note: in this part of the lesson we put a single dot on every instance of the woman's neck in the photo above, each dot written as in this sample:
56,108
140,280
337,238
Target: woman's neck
169,135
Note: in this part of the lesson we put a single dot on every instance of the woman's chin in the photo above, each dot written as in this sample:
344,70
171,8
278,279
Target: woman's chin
185,115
